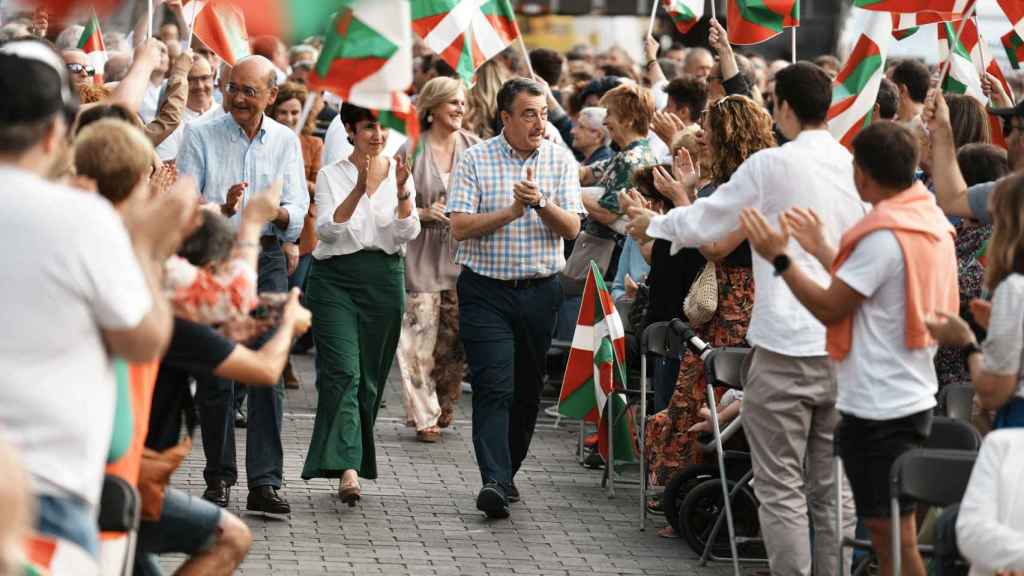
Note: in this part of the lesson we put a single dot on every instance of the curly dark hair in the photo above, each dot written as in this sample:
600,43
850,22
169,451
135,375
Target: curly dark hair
738,127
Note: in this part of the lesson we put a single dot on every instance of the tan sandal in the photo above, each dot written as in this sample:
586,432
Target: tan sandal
429,435
446,418
349,492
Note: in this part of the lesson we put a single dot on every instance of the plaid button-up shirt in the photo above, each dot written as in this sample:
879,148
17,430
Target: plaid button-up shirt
483,182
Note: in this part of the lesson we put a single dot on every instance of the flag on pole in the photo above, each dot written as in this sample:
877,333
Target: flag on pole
1014,46
220,25
855,89
92,44
755,21
596,367
906,24
910,6
465,33
970,61
1014,10
684,13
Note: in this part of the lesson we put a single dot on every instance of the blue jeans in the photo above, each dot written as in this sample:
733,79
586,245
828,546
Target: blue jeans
187,525
68,519
215,397
506,332
1011,415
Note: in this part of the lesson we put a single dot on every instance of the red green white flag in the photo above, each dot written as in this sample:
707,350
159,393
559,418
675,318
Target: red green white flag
912,6
970,60
906,24
91,42
220,25
855,88
597,367
1014,46
1014,10
465,33
684,13
755,21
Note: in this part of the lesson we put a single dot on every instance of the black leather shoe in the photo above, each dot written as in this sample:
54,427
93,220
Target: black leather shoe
512,494
218,492
266,499
492,501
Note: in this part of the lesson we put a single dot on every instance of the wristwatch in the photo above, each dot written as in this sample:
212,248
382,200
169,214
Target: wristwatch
968,351
781,264
541,204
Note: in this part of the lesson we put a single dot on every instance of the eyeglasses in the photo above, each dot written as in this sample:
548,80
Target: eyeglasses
247,91
1009,126
303,65
81,69
198,79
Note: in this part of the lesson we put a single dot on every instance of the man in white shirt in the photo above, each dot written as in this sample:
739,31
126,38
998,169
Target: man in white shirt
891,271
151,101
199,106
77,291
789,409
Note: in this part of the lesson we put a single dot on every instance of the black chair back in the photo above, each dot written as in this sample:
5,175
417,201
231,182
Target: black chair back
725,367
119,506
953,434
661,339
934,477
958,399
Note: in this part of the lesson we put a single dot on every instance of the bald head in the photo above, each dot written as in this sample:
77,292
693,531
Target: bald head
699,62
256,67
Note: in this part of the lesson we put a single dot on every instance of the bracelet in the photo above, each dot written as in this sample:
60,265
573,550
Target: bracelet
649,62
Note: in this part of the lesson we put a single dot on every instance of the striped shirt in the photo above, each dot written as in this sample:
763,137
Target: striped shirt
483,182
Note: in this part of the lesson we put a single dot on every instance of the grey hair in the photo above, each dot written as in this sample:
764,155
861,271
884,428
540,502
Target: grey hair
593,117
211,243
68,39
301,49
512,88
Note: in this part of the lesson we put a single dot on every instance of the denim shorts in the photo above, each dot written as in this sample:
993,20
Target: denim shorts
68,519
187,525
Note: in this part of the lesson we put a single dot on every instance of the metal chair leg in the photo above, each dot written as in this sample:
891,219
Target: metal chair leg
609,466
643,453
894,504
839,511
725,482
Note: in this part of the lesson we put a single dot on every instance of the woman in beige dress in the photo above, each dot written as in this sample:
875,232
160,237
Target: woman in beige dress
430,356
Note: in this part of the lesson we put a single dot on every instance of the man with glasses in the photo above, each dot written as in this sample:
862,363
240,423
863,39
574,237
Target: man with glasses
79,67
232,157
952,193
199,107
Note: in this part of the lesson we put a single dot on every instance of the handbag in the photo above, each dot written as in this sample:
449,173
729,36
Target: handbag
701,301
155,474
587,247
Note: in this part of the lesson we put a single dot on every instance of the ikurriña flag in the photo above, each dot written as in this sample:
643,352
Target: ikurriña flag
465,33
1014,46
91,42
855,88
755,21
684,13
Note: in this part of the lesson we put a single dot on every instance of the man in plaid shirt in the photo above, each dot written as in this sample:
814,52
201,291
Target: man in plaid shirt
513,199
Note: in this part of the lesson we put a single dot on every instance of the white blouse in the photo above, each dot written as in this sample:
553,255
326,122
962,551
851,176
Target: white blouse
374,224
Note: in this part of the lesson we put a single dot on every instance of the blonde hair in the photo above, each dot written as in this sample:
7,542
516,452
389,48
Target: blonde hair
434,93
632,103
1006,248
482,100
116,155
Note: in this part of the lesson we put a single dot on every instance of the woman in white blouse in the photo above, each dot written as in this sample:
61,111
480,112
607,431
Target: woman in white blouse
356,292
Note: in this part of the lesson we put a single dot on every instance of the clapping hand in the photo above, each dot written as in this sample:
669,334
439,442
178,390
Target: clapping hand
667,125
807,228
162,180
234,199
434,213
159,226
639,221
527,192
982,312
949,329
765,240
403,168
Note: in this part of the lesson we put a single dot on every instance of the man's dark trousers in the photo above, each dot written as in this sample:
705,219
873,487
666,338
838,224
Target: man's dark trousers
264,455
506,331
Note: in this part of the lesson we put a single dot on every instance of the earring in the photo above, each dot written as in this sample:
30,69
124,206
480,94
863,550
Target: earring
430,118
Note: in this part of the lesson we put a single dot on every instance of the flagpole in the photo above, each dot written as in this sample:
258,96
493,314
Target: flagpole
307,109
792,43
149,19
192,25
654,15
956,42
714,10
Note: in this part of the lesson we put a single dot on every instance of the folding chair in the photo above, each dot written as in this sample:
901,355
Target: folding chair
958,400
120,509
915,474
947,434
724,368
659,339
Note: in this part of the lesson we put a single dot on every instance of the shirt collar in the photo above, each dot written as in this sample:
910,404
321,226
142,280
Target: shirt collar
510,151
238,132
812,135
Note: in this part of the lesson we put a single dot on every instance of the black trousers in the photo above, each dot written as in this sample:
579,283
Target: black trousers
506,332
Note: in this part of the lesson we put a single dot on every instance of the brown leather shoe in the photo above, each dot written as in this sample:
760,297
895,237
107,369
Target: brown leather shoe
429,436
291,379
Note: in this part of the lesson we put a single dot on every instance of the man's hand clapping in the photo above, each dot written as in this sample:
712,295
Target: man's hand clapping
527,192
234,199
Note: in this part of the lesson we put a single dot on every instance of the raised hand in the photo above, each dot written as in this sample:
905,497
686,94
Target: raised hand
994,89
936,111
718,38
650,48
669,187
667,125
764,239
807,228
234,199
162,180
982,312
631,198
159,225
527,191
639,221
264,205
949,329
403,168
437,212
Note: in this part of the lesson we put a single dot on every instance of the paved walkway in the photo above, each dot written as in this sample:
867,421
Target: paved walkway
420,516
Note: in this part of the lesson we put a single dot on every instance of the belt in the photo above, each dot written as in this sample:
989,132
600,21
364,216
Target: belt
523,283
269,242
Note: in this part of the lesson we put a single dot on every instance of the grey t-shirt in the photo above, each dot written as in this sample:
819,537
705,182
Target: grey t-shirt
1004,344
977,200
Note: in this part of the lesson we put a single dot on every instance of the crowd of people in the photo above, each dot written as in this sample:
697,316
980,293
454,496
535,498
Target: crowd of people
180,228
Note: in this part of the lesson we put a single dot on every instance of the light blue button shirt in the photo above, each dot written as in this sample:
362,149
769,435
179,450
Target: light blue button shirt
218,154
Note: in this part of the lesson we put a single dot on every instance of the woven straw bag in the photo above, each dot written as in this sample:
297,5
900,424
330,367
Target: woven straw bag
702,300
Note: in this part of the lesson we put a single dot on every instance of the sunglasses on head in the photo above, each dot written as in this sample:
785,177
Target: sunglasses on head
80,68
